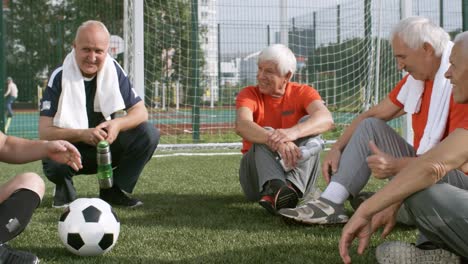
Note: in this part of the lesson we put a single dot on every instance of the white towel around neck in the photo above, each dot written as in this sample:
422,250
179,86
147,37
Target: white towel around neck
71,112
411,93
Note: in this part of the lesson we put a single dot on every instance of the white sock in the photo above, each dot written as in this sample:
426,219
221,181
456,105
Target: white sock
336,193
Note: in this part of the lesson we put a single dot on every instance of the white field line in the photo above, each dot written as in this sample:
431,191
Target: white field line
188,154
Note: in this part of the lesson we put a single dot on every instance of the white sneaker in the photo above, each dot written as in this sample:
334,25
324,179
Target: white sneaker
397,252
316,212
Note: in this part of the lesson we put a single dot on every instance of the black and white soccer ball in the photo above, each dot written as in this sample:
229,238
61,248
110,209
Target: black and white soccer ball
89,227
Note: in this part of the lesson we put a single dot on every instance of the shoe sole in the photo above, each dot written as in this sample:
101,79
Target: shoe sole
398,252
60,206
329,220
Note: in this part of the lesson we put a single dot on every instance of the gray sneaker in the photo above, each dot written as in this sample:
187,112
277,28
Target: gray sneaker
405,253
316,212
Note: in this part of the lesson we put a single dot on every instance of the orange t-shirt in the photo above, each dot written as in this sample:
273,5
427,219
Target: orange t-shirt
282,112
419,120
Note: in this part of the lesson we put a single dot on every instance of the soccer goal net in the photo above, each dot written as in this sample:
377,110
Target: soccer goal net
198,54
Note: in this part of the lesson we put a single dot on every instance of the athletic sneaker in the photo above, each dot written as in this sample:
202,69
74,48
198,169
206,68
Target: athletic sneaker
117,197
285,197
404,253
316,212
13,256
312,195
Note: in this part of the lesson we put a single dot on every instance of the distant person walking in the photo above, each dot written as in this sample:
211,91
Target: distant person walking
10,96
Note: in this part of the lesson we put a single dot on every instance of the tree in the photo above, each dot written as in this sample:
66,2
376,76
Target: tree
39,34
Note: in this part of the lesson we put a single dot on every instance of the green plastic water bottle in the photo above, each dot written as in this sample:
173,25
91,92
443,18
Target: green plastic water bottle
104,165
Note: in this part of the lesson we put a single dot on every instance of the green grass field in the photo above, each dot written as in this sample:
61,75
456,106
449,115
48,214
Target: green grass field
194,212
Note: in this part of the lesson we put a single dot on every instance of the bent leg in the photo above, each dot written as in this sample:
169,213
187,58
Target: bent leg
258,166
441,213
304,176
353,172
19,198
130,153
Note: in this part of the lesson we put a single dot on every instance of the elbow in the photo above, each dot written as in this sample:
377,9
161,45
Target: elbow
145,116
328,124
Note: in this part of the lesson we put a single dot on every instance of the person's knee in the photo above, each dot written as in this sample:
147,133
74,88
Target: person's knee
261,148
371,122
30,181
148,134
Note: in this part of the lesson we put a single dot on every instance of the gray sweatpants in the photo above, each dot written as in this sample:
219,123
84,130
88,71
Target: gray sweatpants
353,172
260,165
440,212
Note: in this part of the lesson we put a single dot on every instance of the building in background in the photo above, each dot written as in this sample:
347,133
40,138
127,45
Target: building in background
208,22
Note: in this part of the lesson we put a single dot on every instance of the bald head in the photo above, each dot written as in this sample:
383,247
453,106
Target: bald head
462,40
458,69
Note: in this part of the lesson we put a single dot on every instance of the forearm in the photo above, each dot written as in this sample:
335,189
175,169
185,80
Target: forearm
400,163
251,131
131,120
56,133
318,123
18,150
135,116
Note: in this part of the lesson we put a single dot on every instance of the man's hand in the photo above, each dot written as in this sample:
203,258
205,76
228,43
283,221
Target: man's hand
280,136
330,164
357,227
92,136
385,218
290,154
381,164
64,152
113,129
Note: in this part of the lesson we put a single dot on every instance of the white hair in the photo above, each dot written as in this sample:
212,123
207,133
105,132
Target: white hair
282,56
415,31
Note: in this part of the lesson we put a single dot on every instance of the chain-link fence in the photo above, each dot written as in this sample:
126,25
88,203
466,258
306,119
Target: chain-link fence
194,65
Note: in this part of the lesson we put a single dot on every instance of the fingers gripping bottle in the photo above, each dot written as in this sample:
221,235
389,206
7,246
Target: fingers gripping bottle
312,147
104,165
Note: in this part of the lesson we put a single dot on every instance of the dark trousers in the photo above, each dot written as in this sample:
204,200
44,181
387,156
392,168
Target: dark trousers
130,152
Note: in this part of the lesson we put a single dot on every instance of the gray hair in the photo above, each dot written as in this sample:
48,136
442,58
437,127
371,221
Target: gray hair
90,23
282,56
415,31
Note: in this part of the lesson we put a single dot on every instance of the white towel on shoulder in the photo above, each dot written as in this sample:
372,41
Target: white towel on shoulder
410,95
71,112
439,107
